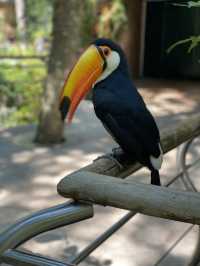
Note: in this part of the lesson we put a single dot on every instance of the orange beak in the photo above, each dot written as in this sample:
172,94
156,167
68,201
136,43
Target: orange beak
80,80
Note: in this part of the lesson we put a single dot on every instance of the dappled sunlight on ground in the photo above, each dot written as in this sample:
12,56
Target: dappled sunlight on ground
29,175
171,97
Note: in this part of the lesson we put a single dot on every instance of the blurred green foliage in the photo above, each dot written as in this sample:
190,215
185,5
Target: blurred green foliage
88,21
39,18
16,50
112,21
20,92
21,81
106,20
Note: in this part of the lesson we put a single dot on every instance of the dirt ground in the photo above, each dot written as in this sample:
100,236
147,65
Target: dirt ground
29,174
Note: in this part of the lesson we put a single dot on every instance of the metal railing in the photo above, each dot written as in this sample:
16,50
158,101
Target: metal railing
65,214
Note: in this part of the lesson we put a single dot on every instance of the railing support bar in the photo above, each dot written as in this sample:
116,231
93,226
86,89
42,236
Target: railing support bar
19,258
98,241
43,221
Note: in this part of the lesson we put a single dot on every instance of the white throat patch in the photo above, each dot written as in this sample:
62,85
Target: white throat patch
112,60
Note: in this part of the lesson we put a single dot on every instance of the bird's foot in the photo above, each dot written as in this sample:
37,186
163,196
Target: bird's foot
122,157
118,155
115,156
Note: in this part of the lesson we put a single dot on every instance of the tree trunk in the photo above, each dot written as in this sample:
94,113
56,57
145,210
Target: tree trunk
65,44
134,13
21,20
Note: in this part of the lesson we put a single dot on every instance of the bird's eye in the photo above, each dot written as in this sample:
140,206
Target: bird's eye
106,51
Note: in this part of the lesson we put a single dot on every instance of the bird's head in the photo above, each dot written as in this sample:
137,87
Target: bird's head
98,62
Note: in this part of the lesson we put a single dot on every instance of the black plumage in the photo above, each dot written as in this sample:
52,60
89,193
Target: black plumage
122,111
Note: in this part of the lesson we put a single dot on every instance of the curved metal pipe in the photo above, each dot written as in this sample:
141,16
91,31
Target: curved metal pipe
43,221
184,165
196,254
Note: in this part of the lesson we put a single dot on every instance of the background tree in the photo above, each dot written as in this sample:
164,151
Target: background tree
65,44
20,11
134,9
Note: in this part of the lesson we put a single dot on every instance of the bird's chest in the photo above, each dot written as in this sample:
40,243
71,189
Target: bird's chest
102,96
114,101
106,101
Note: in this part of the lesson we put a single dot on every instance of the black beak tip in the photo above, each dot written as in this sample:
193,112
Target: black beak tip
64,107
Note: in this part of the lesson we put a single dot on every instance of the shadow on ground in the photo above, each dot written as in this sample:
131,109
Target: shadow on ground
29,174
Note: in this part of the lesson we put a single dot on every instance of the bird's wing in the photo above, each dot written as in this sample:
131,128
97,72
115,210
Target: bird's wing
135,131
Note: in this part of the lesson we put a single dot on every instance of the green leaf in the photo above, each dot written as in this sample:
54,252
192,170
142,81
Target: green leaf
174,45
193,40
193,4
189,4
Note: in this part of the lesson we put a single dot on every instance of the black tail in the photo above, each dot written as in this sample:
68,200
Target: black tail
155,177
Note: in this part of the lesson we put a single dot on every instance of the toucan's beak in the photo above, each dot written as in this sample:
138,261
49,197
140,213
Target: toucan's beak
80,80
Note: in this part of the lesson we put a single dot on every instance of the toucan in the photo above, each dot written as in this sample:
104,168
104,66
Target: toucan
117,103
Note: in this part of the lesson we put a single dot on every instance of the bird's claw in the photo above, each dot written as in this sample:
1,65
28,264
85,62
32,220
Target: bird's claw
117,152
111,157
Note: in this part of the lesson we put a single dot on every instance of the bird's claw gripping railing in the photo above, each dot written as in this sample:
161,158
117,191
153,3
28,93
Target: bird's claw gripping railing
72,212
